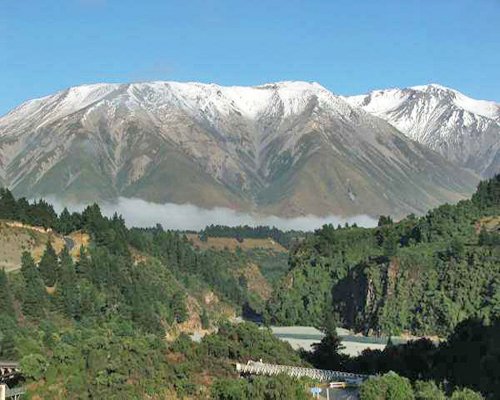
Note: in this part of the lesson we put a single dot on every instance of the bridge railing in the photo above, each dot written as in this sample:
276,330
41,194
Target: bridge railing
260,368
14,392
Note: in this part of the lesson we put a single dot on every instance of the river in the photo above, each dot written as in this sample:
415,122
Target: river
353,345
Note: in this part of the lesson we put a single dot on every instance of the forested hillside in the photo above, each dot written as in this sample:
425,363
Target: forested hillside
230,275
420,275
94,325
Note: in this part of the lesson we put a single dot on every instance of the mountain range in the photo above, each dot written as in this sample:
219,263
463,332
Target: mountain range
288,148
464,130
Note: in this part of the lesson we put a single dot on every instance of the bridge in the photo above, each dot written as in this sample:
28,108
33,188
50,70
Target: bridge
10,372
7,393
260,368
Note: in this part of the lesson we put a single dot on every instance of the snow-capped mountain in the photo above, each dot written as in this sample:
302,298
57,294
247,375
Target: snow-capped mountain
288,148
464,130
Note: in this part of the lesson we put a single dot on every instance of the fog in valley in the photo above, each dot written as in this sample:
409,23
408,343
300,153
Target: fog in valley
141,213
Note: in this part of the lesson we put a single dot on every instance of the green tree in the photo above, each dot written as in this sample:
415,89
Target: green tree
8,206
205,321
48,265
456,248
276,388
6,304
384,220
203,236
34,366
428,390
34,294
391,244
471,356
387,387
67,286
229,389
66,223
326,353
179,306
8,334
466,394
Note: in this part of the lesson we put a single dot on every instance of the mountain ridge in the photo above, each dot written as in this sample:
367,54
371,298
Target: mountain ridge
466,131
288,148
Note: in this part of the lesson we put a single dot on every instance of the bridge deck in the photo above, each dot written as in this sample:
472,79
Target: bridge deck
9,364
260,368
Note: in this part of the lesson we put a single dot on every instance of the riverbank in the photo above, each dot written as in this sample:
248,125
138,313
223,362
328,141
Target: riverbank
353,344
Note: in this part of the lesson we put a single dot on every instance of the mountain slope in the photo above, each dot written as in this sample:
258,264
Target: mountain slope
464,130
289,148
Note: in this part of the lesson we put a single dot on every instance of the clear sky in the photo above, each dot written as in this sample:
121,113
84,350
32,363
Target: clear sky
348,46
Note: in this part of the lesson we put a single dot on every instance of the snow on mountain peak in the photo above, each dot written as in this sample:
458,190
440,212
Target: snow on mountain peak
432,86
201,99
289,147
383,101
465,130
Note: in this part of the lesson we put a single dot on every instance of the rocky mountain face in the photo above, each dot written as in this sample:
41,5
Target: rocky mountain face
464,130
289,148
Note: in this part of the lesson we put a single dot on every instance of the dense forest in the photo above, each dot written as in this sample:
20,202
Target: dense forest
194,271
420,275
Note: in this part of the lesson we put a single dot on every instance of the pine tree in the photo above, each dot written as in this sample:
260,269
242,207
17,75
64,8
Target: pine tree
326,353
48,265
384,220
67,285
8,205
205,321
65,224
34,294
83,264
6,304
179,307
8,333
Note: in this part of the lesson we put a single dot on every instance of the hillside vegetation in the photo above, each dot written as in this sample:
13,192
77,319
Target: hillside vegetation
420,275
106,324
96,326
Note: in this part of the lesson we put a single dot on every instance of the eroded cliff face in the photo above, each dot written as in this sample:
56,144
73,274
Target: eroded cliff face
404,295
359,297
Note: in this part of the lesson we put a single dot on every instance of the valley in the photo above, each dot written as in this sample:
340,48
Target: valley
249,200
152,288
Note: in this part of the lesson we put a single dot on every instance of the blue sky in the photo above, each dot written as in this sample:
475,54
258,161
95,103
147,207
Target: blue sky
349,47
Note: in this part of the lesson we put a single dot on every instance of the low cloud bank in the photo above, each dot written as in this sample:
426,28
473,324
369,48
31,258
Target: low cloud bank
141,213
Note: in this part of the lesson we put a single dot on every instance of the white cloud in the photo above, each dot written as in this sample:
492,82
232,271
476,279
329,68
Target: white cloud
141,213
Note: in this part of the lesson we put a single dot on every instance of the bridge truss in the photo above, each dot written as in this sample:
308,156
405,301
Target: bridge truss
260,368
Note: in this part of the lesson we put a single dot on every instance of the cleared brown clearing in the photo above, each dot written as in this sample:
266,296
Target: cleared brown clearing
221,243
79,239
15,238
489,223
255,281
